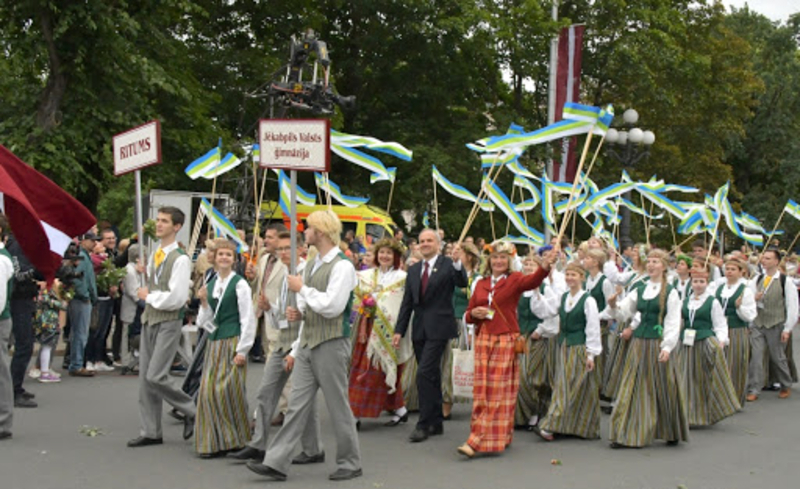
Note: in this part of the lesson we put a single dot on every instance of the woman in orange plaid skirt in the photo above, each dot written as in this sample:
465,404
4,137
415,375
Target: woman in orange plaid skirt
493,310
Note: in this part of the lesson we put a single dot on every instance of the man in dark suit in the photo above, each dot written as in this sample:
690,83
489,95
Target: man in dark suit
429,296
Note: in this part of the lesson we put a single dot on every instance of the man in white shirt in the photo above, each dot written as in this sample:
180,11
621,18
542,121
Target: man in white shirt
6,384
776,300
279,366
168,281
324,297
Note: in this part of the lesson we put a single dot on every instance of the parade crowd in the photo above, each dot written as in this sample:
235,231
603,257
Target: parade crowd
661,340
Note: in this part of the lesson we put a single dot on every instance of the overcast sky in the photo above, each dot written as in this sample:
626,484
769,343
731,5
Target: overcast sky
774,9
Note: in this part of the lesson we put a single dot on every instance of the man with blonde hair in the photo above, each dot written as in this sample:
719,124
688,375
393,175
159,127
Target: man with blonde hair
324,297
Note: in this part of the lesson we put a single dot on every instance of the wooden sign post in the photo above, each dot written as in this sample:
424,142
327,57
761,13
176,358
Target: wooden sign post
135,149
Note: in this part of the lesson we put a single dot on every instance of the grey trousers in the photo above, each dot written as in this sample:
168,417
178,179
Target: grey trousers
6,385
769,339
325,367
269,392
159,344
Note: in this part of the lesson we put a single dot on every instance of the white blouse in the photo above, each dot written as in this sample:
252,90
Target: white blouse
626,309
244,300
718,322
545,307
593,345
748,311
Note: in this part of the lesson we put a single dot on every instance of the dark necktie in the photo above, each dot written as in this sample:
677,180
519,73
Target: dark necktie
268,271
424,278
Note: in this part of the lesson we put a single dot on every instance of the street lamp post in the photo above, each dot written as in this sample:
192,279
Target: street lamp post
629,146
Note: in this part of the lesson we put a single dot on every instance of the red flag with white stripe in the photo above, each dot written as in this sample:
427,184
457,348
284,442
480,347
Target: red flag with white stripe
43,217
568,84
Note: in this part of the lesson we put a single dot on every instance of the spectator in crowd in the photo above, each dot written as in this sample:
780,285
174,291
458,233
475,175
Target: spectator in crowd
23,306
96,359
6,385
80,307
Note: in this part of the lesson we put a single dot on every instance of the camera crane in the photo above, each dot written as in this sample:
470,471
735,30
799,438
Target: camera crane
287,91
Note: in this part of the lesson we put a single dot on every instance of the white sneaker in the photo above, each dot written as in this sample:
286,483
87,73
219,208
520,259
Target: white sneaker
55,374
90,367
102,367
34,373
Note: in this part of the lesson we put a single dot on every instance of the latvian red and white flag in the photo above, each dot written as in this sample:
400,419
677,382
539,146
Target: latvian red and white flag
43,217
568,84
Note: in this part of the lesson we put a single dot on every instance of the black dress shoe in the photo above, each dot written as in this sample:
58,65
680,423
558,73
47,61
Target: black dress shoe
206,456
358,425
606,409
345,475
672,443
418,435
304,459
188,427
258,359
27,395
176,414
262,469
436,430
23,402
143,441
397,420
246,453
4,435
448,417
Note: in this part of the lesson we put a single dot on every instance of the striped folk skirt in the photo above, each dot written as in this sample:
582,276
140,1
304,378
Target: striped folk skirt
535,386
737,355
575,407
494,391
650,401
221,423
369,394
615,363
408,382
710,395
601,360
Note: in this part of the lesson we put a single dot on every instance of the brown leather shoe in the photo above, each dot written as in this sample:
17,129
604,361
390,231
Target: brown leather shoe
81,373
784,393
752,397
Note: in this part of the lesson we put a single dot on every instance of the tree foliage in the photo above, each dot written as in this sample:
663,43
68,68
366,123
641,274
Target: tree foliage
719,89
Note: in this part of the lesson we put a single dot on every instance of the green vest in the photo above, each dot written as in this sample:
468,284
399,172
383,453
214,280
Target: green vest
573,323
227,318
5,309
597,292
702,319
734,321
151,315
461,296
651,315
630,285
528,321
318,329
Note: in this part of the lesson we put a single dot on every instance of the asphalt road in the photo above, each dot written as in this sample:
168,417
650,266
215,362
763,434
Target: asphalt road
756,448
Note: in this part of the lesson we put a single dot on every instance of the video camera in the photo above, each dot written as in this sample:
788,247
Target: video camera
66,273
315,95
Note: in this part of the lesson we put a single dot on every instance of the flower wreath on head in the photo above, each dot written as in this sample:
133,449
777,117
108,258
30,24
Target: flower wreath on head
502,247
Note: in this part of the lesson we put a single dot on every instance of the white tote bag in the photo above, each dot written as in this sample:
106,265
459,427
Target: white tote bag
463,368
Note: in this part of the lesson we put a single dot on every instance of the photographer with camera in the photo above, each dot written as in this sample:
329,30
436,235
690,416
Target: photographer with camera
80,307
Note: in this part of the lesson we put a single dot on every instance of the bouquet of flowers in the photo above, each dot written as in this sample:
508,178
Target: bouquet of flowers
367,307
110,276
367,312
